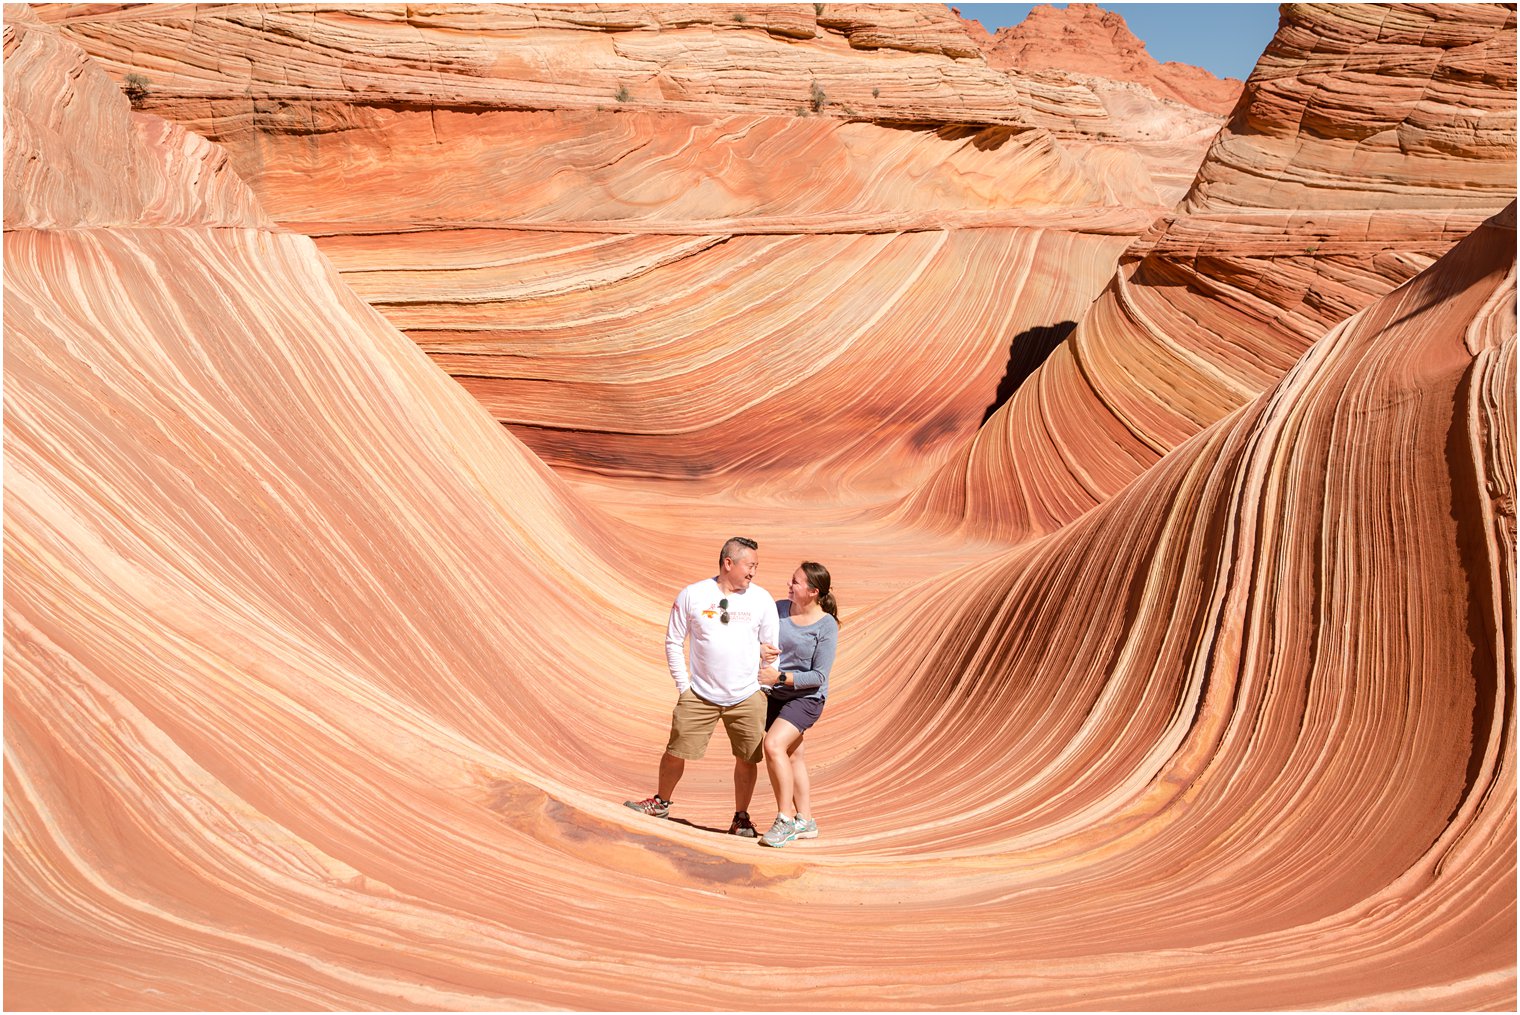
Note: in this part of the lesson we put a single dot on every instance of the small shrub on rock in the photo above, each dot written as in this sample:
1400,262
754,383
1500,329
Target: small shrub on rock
136,87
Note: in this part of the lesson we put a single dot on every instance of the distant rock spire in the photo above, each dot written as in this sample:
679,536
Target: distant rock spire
1086,39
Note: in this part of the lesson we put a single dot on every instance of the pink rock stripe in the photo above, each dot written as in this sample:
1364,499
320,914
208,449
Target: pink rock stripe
322,688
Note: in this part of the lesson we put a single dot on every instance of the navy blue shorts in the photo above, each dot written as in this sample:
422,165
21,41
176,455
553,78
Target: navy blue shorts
800,712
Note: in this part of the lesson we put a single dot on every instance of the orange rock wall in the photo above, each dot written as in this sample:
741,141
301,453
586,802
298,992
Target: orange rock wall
1368,141
628,278
321,689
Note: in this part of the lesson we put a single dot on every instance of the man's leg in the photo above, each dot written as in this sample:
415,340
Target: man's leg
671,770
745,723
691,725
746,773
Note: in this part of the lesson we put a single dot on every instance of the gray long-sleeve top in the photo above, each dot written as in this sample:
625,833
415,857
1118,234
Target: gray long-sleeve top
807,654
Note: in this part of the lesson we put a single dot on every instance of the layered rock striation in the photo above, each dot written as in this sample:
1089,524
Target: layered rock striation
321,689
304,65
607,222
1368,140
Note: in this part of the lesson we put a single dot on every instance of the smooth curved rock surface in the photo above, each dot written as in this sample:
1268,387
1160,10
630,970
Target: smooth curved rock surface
1369,140
284,731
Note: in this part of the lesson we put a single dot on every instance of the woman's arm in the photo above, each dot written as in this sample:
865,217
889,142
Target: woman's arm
823,659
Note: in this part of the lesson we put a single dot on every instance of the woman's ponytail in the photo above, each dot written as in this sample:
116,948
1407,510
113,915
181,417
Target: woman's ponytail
818,578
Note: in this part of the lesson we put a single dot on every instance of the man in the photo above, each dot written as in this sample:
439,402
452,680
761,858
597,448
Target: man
726,619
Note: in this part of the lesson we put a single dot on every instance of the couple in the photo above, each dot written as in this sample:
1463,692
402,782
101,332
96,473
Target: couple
762,667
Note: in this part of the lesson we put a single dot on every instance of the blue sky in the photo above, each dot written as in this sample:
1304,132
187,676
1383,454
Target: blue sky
1224,39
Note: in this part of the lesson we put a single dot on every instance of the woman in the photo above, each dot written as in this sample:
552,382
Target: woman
799,684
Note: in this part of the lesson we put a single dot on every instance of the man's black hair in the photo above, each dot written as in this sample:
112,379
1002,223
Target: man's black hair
730,548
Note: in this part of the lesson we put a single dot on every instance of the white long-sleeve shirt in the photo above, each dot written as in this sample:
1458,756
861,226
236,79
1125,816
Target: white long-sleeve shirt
725,658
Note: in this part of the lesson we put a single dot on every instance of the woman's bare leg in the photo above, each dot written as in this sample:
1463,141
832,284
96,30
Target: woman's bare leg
779,741
802,794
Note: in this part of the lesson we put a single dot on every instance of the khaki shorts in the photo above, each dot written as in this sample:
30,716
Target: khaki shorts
692,722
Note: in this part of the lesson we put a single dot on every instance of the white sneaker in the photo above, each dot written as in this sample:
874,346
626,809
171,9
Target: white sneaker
782,832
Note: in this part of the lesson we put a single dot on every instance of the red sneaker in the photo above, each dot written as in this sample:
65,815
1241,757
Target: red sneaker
652,806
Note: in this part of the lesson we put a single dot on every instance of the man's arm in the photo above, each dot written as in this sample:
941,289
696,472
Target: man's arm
770,633
675,644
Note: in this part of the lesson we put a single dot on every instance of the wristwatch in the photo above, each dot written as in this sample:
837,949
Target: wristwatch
781,680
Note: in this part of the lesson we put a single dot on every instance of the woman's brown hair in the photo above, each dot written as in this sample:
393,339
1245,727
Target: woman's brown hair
818,578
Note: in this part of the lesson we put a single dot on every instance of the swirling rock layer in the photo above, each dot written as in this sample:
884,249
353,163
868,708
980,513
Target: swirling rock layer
697,165
1369,139
321,689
